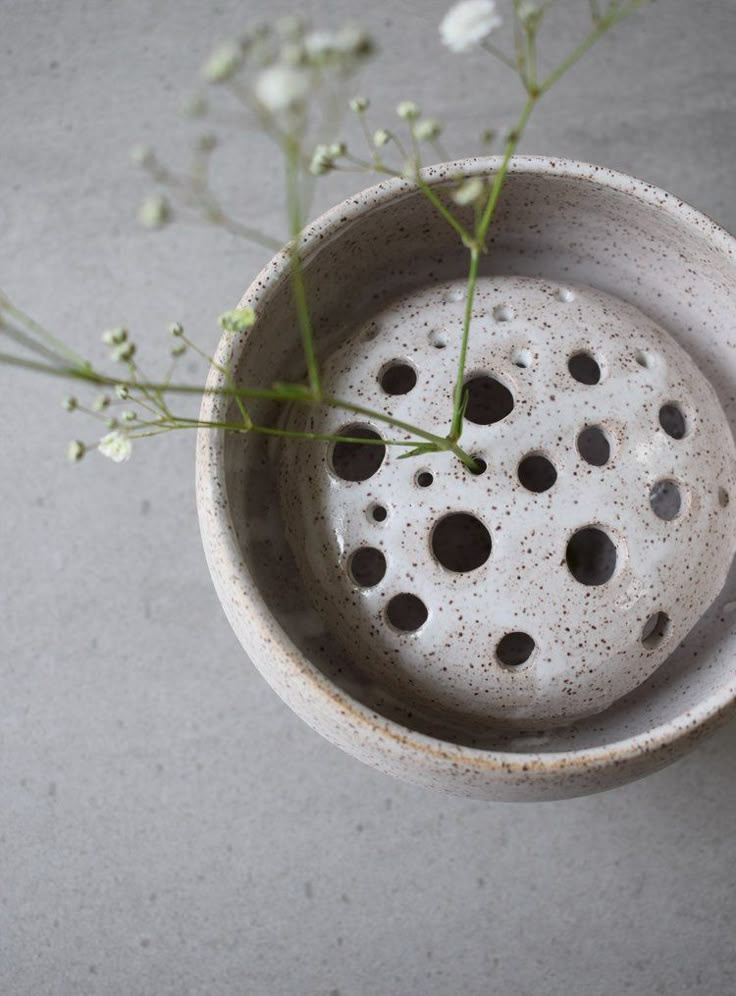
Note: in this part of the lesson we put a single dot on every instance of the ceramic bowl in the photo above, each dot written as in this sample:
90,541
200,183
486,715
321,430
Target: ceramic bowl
530,671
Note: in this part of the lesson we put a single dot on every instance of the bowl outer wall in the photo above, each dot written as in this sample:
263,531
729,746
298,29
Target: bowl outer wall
341,719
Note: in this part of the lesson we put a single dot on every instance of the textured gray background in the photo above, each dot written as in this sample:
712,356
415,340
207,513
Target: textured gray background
166,825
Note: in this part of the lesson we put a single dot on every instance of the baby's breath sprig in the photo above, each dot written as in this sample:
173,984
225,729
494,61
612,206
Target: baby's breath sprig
290,83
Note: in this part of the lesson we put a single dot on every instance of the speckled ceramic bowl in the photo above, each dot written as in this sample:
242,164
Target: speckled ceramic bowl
561,623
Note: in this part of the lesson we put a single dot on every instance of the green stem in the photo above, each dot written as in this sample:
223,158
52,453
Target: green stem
456,427
293,160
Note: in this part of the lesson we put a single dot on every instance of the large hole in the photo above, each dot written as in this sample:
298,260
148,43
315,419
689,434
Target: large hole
378,513
406,612
655,630
424,479
489,400
665,499
357,461
461,542
367,566
398,378
591,556
594,446
584,368
514,649
537,473
673,421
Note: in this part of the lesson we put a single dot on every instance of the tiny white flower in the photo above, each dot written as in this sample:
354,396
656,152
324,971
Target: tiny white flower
116,446
359,104
469,191
223,63
100,403
427,129
381,138
354,41
142,155
408,110
75,451
124,352
468,23
176,329
529,14
178,349
322,161
113,337
238,320
320,45
69,403
154,212
128,416
282,88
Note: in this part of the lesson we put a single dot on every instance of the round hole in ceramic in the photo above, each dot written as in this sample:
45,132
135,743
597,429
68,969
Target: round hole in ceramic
673,420
666,499
461,542
521,358
397,377
537,473
584,368
489,400
655,630
424,479
357,461
367,566
438,338
591,556
503,313
594,445
378,513
406,612
514,649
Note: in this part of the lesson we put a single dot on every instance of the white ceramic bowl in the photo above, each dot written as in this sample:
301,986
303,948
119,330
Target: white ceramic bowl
561,225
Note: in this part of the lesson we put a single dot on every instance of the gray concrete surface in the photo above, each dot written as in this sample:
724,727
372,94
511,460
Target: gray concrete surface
166,825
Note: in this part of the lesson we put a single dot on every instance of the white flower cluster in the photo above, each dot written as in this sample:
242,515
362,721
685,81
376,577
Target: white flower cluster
467,24
289,60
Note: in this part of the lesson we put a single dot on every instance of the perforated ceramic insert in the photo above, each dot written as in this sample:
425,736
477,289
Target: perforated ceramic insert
559,578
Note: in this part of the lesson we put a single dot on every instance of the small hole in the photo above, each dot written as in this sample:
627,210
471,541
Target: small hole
489,400
461,542
456,294
584,368
645,359
655,630
673,421
514,649
424,478
438,338
591,556
367,566
566,295
480,466
723,498
406,612
503,313
521,358
665,499
594,446
378,513
537,473
358,461
398,378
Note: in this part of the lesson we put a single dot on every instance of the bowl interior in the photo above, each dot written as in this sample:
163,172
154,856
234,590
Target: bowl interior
561,222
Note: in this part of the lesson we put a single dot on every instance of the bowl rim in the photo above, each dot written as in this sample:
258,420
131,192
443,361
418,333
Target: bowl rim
225,557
